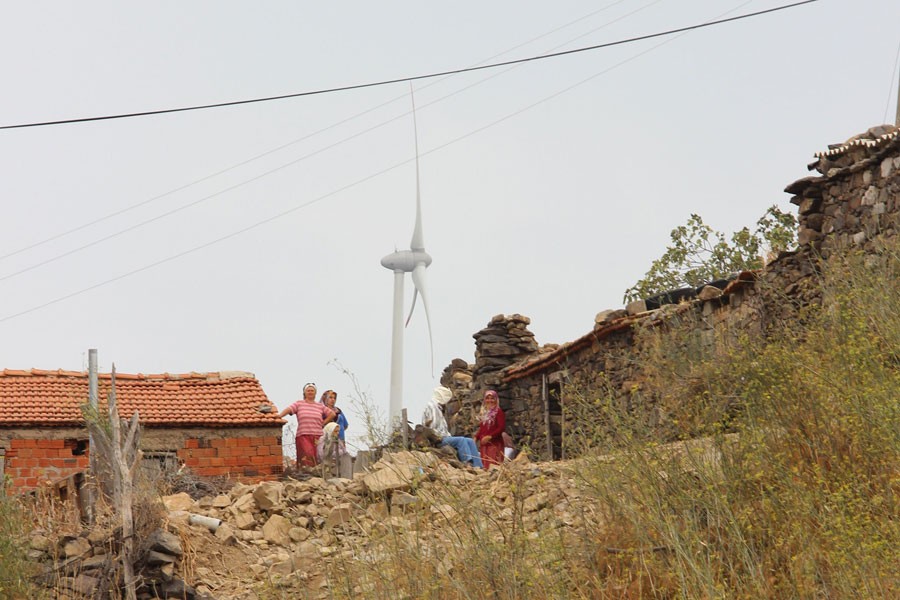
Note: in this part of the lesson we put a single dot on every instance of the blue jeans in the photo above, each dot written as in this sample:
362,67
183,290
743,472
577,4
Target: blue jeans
465,448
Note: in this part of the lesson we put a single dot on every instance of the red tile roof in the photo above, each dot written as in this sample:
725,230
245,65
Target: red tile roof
37,398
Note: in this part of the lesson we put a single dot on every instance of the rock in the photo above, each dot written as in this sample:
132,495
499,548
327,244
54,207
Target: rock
225,534
339,515
168,571
709,292
245,503
635,307
75,546
387,479
94,562
180,501
277,531
299,534
163,541
268,495
155,559
40,542
280,563
605,316
243,520
221,501
399,498
176,588
84,585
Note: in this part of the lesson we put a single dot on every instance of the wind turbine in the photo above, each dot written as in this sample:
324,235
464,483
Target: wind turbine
415,261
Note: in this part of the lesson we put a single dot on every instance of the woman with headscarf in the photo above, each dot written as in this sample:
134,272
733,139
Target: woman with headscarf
490,430
311,416
329,399
328,445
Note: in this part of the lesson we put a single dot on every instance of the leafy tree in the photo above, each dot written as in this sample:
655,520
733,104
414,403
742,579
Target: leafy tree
699,254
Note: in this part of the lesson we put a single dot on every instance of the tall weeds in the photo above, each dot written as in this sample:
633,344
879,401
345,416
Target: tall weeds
801,500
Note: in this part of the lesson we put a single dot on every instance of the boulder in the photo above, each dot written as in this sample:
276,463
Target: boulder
181,501
277,531
163,541
268,495
340,514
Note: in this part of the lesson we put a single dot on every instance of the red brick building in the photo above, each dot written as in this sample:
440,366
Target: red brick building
212,423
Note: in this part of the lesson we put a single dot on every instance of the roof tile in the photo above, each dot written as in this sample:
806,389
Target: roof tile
41,397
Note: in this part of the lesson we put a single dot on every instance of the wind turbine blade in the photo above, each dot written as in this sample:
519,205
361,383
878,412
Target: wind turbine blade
418,277
413,307
418,241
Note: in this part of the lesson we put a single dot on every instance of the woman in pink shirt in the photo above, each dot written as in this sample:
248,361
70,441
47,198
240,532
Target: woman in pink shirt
311,416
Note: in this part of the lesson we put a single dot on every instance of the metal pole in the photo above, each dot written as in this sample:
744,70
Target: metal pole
91,490
92,377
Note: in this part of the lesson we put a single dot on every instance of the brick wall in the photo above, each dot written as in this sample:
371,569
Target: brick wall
31,463
247,457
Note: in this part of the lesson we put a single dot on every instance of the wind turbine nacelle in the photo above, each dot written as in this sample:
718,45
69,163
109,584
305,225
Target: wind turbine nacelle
405,260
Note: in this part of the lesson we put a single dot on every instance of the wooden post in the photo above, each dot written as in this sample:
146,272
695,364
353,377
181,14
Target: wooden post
545,396
404,429
562,421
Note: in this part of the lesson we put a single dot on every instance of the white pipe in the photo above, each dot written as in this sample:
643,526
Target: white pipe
210,523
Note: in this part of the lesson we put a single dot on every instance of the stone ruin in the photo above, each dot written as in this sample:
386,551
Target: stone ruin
854,201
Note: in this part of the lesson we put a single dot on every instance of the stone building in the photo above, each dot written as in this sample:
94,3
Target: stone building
213,423
854,201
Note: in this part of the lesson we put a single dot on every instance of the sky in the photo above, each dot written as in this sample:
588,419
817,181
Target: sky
249,237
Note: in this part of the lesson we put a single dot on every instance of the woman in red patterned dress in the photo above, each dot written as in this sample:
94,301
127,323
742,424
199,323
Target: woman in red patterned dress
490,432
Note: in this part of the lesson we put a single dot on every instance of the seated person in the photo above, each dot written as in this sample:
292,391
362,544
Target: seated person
433,417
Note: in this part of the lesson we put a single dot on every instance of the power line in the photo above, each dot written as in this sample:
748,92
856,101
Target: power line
300,139
342,188
414,77
198,201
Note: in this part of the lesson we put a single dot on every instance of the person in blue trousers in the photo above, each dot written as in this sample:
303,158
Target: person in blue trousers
433,417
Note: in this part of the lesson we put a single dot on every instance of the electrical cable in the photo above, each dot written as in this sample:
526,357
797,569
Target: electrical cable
198,201
413,77
319,131
345,187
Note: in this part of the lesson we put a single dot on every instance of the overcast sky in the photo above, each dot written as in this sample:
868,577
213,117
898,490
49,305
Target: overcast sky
547,188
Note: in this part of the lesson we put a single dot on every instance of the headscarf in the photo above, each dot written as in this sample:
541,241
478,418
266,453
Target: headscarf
489,416
441,395
330,440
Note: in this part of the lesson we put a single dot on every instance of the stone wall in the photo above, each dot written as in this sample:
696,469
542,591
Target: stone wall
854,202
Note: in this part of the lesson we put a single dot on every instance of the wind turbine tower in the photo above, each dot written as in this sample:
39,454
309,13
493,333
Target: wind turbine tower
415,261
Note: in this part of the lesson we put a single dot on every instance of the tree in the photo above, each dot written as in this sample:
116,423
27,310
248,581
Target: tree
698,254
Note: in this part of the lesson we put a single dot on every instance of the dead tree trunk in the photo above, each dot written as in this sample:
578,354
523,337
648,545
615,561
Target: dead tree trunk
119,453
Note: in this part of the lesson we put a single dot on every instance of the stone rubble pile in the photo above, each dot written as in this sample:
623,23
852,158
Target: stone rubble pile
292,531
87,565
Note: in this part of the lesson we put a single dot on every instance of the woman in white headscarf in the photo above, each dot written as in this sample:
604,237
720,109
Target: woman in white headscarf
329,445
